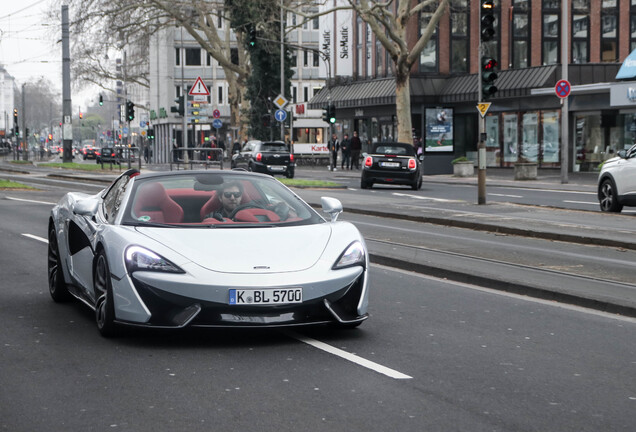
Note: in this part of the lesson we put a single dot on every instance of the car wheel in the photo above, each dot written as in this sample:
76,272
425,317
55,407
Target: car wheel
607,197
365,184
249,168
289,174
57,285
417,185
105,308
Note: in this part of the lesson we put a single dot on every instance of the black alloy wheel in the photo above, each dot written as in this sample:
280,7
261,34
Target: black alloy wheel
607,197
57,285
105,308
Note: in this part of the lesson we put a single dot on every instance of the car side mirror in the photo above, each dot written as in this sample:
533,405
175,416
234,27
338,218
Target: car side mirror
86,207
332,207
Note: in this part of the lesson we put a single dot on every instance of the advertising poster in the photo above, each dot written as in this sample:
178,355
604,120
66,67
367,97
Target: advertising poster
439,130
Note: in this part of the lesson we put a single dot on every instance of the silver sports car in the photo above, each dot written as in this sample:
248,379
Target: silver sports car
167,250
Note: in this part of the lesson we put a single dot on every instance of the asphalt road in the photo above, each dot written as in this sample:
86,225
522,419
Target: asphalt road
445,356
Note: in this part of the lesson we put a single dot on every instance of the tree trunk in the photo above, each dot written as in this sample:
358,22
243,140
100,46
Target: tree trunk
403,108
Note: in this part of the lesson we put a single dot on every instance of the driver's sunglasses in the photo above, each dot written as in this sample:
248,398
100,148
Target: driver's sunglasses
232,194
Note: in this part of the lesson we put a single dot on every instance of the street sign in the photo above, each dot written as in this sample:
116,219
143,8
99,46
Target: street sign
217,124
483,108
199,88
280,101
280,115
216,113
562,88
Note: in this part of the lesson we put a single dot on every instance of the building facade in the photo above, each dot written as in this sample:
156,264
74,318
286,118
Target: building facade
524,120
7,103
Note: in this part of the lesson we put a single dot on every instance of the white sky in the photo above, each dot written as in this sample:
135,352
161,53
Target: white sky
29,46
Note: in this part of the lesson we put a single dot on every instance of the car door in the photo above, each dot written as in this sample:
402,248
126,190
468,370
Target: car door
628,174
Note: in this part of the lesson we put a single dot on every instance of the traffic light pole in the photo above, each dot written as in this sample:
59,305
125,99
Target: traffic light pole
481,145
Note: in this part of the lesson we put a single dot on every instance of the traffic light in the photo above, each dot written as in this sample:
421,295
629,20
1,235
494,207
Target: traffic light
151,134
488,77
267,120
180,108
15,116
17,130
101,100
487,20
81,115
331,111
325,113
130,110
252,37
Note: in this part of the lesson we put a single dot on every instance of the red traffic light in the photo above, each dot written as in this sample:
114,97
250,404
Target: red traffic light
489,64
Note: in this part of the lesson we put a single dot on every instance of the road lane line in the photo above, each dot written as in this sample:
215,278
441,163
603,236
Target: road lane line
348,356
424,198
30,201
504,195
581,202
34,237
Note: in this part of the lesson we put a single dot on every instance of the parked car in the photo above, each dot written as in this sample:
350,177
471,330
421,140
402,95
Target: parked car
146,251
392,163
268,157
107,155
88,152
617,181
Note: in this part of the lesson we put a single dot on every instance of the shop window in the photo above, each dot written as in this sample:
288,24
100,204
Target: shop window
493,154
529,137
550,148
510,137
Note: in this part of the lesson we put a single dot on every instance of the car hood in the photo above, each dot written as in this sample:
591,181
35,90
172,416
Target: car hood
246,250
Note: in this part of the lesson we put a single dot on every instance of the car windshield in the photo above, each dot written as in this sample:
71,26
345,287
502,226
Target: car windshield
395,149
215,199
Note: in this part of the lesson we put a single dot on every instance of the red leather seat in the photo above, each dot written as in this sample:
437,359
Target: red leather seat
152,200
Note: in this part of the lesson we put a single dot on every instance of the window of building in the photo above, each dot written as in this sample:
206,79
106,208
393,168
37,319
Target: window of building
632,26
378,58
428,56
520,34
316,23
316,62
193,56
234,55
305,58
369,48
580,31
551,31
294,58
219,21
177,56
294,94
609,31
305,94
220,95
459,36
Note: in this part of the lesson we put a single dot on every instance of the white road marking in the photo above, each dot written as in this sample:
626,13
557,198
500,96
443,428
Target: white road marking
30,201
423,197
582,202
504,195
34,237
348,356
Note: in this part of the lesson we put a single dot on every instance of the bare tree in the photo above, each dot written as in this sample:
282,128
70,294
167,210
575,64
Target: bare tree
390,21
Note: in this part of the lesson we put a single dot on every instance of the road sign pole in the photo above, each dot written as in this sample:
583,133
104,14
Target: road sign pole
481,145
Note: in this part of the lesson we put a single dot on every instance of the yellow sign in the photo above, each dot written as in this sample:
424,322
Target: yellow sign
483,108
280,101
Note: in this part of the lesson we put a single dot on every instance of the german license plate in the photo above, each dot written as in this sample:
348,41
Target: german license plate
390,164
278,168
266,296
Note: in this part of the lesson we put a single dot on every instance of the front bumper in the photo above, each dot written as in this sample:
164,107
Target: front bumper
166,308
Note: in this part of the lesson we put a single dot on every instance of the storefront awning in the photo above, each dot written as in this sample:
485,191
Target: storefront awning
628,68
510,83
356,94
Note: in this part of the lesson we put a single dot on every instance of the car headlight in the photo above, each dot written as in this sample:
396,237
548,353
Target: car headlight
353,255
141,259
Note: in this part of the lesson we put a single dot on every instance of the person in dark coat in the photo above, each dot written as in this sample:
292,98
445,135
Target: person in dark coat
356,147
345,147
334,146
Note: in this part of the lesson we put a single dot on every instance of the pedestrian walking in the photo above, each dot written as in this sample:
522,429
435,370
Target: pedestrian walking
345,148
334,146
356,147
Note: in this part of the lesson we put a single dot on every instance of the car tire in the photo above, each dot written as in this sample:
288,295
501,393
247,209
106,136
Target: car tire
607,197
365,184
289,174
418,184
57,285
104,308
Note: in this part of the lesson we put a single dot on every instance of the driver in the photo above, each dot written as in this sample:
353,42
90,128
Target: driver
230,196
